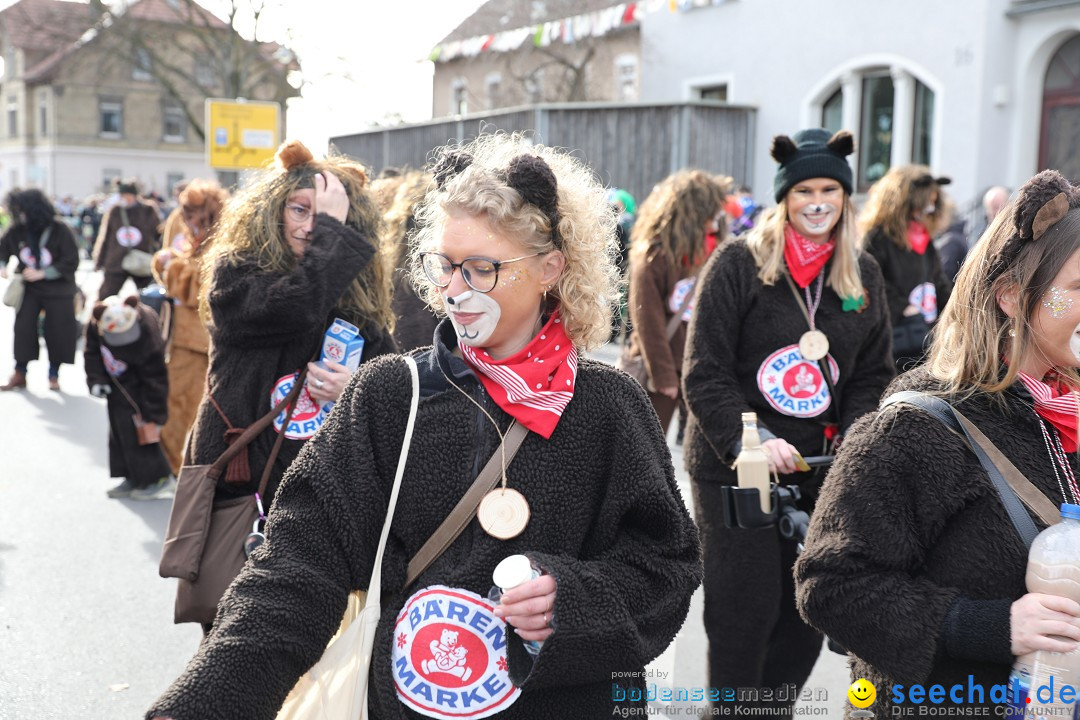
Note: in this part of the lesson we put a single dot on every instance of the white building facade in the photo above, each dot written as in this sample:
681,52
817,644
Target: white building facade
984,91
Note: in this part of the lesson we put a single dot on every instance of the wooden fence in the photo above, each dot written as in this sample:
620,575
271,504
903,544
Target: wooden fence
631,146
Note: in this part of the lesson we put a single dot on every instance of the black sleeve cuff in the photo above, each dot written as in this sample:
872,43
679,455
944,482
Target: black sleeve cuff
978,630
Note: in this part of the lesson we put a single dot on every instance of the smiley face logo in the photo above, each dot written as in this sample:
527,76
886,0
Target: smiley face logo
861,694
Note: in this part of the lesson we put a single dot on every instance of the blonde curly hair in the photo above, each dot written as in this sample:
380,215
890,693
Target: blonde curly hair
588,287
250,230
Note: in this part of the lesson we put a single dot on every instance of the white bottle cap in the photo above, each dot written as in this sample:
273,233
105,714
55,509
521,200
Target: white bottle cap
512,571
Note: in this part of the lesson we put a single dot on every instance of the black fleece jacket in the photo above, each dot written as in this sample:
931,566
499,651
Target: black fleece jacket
911,562
266,326
607,521
738,323
903,269
60,258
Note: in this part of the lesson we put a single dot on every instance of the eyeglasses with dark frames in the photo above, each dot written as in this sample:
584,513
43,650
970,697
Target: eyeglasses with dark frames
480,273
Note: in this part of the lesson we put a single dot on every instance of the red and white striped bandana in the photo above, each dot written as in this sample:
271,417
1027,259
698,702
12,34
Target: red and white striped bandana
1057,407
535,385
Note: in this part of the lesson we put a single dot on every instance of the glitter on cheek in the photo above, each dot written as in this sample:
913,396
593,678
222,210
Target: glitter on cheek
1057,302
515,278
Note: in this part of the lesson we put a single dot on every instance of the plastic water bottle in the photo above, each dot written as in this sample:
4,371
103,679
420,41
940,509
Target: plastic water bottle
752,464
511,572
1053,569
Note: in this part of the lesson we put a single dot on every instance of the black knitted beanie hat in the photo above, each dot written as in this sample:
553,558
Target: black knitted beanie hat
812,153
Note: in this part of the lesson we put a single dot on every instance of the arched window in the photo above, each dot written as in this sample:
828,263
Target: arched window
891,113
1061,112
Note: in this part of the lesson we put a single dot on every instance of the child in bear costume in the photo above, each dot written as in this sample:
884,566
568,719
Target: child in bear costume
125,364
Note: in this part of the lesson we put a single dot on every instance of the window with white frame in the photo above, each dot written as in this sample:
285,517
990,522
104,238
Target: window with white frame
891,113
142,66
111,117
204,72
43,114
459,97
493,90
534,86
626,78
12,115
832,112
713,92
175,123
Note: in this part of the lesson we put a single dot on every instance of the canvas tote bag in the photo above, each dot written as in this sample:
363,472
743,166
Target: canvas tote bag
335,688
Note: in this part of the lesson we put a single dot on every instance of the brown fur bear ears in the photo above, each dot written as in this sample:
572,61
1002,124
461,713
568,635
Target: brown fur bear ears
842,143
101,305
1043,201
294,154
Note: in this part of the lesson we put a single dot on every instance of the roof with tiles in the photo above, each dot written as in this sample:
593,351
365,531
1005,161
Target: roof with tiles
497,15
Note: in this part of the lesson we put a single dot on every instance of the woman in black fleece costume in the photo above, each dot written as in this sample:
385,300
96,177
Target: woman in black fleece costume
294,250
912,562
743,355
517,243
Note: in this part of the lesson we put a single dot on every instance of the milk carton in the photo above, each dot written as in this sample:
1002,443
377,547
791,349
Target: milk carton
343,344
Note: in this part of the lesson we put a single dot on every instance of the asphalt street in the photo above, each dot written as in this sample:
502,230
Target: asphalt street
86,623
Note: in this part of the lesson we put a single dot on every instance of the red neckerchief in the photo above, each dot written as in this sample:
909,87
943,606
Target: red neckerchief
917,236
1056,405
535,385
805,259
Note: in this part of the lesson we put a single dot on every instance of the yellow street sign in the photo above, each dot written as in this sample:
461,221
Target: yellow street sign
241,134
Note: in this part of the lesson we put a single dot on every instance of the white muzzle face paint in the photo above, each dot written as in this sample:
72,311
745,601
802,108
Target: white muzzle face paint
817,219
474,316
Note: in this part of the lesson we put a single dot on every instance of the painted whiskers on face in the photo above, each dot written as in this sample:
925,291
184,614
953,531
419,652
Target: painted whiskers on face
474,316
821,217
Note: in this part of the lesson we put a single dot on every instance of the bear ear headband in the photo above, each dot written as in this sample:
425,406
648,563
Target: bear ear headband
529,175
1042,203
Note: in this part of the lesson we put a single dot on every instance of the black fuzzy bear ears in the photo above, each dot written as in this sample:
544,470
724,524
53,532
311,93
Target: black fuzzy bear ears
842,143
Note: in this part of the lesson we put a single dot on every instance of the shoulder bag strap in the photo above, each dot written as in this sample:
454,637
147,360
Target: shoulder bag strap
822,364
676,319
374,590
123,216
1011,485
272,458
463,513
131,401
256,427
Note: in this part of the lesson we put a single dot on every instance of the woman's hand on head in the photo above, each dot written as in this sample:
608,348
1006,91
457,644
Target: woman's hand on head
330,196
528,607
781,456
1044,622
325,384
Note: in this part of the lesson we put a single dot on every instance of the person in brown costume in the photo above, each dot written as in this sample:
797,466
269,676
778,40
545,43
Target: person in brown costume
293,251
129,225
668,247
178,270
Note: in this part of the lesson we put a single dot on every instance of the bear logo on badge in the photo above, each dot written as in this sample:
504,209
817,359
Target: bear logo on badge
794,385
